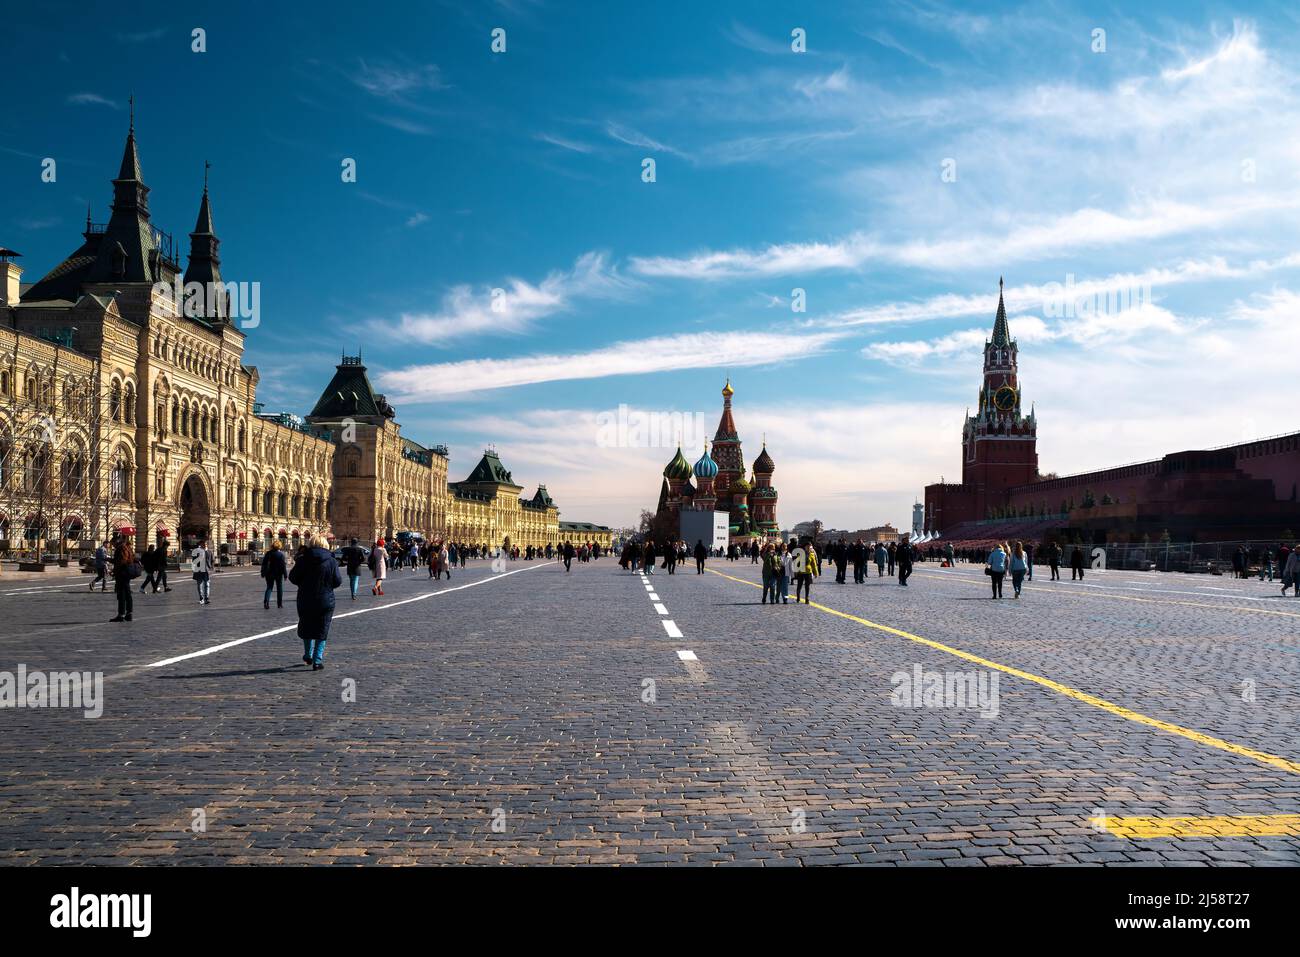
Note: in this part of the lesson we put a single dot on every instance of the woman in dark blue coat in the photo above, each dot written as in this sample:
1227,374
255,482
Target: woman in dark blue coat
316,574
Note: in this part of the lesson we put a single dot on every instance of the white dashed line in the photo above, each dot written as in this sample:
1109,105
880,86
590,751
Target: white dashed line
659,607
670,626
347,614
687,656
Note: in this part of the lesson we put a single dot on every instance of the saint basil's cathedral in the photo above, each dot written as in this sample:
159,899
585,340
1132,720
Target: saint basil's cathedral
720,484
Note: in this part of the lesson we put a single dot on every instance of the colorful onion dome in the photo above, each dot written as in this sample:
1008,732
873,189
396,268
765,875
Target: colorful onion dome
678,469
706,467
740,485
764,463
727,390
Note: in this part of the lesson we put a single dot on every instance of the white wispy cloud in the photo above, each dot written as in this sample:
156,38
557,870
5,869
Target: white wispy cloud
508,309
565,143
1053,295
1050,237
391,80
778,259
93,99
700,350
632,137
405,124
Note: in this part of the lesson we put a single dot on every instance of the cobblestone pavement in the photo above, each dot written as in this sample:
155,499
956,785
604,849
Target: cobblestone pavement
539,716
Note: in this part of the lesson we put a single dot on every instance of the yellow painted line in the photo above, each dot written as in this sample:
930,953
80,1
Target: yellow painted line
1145,601
1263,825
1263,757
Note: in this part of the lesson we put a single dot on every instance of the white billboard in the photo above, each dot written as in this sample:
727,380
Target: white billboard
710,527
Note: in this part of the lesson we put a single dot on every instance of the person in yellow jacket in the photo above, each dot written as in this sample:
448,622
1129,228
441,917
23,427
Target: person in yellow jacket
806,568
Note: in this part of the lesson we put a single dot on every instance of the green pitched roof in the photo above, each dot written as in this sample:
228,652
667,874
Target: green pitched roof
350,394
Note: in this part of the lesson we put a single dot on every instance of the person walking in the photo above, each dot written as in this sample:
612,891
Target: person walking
1019,566
146,562
378,567
1054,560
647,556
1291,571
353,557
891,553
996,567
882,556
1076,564
1029,562
670,558
274,568
160,566
903,559
316,574
811,569
770,569
701,553
787,572
101,567
569,552
125,568
201,562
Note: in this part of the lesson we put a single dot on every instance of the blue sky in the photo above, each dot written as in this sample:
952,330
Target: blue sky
1168,163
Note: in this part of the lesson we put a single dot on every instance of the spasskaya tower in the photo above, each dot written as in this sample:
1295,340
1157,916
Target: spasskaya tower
999,442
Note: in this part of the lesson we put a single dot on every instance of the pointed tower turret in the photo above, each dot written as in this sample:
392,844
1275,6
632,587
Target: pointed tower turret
129,248
209,302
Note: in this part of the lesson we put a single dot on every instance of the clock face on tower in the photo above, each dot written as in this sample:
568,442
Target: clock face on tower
1005,398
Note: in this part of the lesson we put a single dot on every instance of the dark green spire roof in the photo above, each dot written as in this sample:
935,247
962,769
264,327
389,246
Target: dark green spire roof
350,395
489,469
1001,331
678,468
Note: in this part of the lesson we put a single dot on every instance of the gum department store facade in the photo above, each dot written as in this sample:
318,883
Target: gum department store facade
120,409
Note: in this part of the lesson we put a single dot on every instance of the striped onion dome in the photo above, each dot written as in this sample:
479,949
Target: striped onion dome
706,467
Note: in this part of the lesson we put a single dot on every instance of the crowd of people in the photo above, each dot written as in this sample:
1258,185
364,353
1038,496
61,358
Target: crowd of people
317,569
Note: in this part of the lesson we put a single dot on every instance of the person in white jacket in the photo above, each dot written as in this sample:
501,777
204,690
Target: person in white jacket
787,573
379,566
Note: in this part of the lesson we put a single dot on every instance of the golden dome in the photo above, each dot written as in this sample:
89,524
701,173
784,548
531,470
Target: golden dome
727,390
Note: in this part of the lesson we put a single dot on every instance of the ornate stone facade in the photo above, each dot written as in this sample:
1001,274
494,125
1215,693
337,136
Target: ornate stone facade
124,407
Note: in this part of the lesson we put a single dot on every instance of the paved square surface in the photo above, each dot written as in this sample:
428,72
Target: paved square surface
534,716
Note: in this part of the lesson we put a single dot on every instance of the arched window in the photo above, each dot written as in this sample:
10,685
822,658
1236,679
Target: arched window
115,401
74,472
129,405
176,412
241,437
119,479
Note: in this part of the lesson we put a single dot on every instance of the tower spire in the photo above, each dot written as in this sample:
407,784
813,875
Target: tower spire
205,261
1001,331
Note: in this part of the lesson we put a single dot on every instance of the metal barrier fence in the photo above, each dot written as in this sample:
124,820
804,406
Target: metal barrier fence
1196,557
